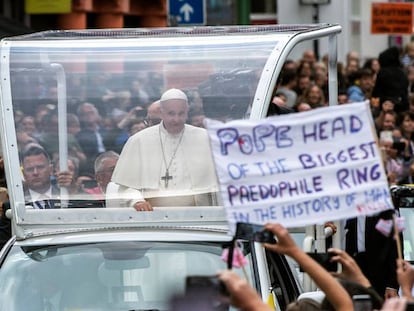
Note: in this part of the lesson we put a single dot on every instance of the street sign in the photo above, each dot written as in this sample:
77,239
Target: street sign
392,18
47,6
187,12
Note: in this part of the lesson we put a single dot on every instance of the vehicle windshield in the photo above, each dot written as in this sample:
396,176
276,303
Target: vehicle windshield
115,276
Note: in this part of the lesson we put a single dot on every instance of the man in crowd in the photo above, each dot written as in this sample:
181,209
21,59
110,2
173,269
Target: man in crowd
375,253
104,167
169,163
91,137
38,188
153,114
37,172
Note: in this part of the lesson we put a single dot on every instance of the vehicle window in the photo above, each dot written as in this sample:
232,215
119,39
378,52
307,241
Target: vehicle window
284,282
105,276
83,100
403,199
408,233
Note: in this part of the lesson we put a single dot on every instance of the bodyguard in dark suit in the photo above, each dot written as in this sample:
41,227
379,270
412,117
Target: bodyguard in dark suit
39,191
5,225
377,258
37,172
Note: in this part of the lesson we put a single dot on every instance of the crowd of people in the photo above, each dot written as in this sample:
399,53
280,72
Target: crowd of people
386,82
96,123
102,114
338,290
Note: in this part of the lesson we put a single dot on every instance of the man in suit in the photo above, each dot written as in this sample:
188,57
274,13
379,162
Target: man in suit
91,137
375,253
5,225
37,172
38,188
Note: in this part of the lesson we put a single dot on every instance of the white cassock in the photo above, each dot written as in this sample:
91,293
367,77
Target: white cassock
141,168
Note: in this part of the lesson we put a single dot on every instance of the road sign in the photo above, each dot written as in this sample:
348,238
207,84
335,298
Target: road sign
391,18
187,12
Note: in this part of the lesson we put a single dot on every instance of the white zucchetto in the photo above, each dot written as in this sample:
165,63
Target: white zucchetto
173,94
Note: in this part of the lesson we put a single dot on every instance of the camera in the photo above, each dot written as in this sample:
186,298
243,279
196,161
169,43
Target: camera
253,232
206,284
201,293
140,113
398,145
402,196
362,302
324,259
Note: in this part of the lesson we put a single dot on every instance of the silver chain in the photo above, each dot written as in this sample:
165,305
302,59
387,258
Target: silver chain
167,167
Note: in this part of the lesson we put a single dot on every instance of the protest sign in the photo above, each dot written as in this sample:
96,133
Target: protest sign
301,168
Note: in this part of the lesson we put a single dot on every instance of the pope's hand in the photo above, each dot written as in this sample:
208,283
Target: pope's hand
143,206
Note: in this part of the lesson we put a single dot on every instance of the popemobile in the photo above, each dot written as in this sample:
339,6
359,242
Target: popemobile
88,232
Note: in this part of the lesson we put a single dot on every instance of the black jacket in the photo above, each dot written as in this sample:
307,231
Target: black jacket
392,81
379,260
5,226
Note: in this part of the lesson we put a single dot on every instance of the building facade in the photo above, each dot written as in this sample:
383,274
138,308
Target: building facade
353,15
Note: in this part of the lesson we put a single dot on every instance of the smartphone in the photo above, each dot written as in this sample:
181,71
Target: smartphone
206,291
324,259
362,302
140,113
398,145
88,184
204,283
409,306
253,232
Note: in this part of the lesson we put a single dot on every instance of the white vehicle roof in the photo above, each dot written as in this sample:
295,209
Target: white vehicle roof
236,66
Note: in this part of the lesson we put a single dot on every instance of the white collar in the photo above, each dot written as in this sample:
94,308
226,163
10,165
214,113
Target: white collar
164,131
40,196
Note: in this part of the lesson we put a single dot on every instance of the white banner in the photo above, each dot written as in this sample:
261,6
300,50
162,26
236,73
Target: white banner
301,168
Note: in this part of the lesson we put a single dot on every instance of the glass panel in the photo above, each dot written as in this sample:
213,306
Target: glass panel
408,233
104,276
103,92
356,8
89,96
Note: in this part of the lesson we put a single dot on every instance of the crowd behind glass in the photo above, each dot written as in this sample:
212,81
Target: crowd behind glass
113,107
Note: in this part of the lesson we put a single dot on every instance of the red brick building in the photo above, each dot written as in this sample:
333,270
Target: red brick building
21,16
106,14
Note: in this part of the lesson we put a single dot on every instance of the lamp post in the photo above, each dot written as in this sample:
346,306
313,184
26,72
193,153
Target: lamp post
243,10
315,18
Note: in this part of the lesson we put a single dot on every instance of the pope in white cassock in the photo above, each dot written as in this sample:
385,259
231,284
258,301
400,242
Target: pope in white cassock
169,164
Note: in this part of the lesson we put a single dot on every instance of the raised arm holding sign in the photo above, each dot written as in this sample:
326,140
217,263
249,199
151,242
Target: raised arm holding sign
305,169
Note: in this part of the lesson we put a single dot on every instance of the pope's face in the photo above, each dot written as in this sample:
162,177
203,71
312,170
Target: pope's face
174,114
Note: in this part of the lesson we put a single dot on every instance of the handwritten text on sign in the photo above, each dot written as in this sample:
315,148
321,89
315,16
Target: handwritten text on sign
301,168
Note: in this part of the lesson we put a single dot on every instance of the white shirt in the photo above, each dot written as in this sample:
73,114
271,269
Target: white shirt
37,197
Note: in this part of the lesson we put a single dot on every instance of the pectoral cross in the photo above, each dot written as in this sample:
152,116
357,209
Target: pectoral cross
166,178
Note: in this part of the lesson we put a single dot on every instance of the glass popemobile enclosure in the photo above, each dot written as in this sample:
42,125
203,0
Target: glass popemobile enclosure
80,95
109,172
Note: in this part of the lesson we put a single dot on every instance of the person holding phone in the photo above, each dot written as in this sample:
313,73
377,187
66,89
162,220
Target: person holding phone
404,132
397,161
243,296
